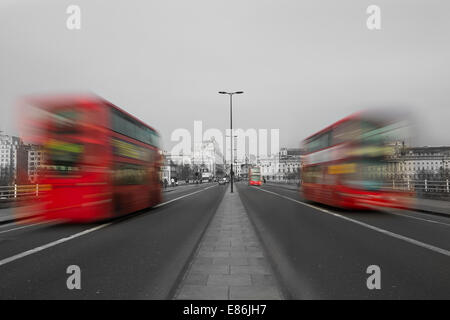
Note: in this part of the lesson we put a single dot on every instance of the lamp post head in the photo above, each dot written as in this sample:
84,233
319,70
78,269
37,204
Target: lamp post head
231,93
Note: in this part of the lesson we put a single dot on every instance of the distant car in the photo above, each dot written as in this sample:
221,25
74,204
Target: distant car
222,181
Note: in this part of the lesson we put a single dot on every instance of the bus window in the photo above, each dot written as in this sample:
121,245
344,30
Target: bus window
346,132
63,156
127,126
312,174
130,174
64,121
319,142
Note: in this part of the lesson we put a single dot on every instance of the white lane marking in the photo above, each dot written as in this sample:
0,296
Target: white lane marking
383,231
51,244
26,226
282,186
417,218
405,215
79,234
183,196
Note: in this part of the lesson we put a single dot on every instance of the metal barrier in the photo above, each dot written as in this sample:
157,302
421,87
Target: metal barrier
419,186
284,181
423,186
21,191
438,187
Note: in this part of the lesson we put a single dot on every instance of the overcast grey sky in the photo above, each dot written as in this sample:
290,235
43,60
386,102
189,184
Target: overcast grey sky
302,64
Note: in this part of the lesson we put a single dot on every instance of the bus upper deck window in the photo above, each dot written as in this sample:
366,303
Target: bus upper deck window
65,121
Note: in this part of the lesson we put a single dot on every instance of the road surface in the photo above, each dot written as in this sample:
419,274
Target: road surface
316,252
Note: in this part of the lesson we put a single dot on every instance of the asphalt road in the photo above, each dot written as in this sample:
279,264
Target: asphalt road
323,253
317,252
137,257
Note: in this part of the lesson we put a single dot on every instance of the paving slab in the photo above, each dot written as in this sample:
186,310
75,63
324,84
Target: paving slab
230,262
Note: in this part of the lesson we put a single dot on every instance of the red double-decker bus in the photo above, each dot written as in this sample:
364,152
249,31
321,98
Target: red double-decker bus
344,165
100,161
254,176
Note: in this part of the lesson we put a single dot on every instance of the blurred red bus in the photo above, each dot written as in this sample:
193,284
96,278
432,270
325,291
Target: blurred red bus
344,165
254,176
100,162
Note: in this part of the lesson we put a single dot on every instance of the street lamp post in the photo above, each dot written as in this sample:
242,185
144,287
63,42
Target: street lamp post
231,129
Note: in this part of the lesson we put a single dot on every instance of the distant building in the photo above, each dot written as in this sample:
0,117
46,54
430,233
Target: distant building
290,164
421,163
208,157
169,168
237,168
414,163
13,160
284,166
243,170
270,167
35,155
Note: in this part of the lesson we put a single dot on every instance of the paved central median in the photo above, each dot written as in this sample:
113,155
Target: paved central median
230,262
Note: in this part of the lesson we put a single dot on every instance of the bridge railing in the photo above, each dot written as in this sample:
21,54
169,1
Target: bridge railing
284,181
422,186
15,191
